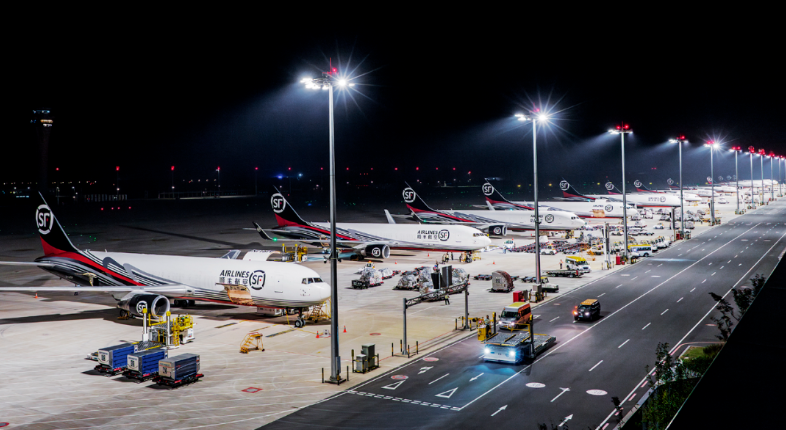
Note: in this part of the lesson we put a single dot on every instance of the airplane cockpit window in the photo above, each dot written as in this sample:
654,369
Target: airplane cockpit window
317,280
305,281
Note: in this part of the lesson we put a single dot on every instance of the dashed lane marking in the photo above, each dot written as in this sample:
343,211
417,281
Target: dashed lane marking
623,343
648,324
680,299
664,312
593,367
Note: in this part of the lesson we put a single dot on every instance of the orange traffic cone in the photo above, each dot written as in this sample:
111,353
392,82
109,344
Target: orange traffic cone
345,329
396,262
317,335
493,262
36,295
428,255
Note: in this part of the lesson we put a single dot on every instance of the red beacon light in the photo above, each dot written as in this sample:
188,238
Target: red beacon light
172,168
751,149
682,137
626,126
619,128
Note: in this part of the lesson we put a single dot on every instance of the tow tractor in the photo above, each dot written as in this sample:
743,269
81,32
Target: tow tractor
513,347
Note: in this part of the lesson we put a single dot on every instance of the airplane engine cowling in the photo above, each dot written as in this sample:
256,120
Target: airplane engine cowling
157,305
498,230
376,251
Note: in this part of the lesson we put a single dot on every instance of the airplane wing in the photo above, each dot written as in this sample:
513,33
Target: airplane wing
25,263
174,290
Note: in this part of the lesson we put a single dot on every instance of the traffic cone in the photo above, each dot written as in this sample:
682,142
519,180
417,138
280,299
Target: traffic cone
428,255
345,329
36,295
317,335
396,262
493,262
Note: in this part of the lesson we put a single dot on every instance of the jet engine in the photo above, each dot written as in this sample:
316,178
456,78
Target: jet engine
498,230
136,303
376,251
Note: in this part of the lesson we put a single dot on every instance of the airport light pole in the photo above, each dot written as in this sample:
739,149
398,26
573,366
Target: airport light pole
772,184
762,153
622,130
679,143
256,190
712,145
172,169
751,151
542,117
736,150
780,177
326,82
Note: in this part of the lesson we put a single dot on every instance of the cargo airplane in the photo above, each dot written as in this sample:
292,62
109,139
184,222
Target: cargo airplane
597,208
641,200
370,239
144,281
493,222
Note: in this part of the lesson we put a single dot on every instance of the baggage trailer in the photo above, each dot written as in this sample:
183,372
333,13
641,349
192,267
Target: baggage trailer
514,347
179,370
144,365
565,272
114,359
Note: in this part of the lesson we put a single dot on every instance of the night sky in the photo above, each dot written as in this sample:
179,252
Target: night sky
428,95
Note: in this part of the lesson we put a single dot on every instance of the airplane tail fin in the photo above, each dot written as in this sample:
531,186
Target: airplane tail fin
613,190
571,193
414,202
642,188
496,200
285,214
53,238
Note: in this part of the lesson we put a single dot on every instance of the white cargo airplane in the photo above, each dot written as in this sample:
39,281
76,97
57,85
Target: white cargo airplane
642,200
494,222
371,239
599,208
144,281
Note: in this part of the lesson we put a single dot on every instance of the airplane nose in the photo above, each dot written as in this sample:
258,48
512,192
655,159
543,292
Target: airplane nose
321,290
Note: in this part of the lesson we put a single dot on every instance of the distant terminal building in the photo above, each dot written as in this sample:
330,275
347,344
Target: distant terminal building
42,128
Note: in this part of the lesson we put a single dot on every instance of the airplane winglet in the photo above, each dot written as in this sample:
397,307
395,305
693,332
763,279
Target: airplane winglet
390,218
491,207
262,232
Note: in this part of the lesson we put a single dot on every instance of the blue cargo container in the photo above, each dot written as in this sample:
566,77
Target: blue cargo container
145,363
115,358
184,367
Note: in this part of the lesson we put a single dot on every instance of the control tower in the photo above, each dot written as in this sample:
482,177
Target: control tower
42,128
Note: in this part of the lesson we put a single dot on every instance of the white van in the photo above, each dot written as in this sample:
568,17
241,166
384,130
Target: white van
577,263
643,250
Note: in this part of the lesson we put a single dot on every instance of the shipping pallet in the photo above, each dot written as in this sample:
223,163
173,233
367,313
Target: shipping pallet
159,380
133,374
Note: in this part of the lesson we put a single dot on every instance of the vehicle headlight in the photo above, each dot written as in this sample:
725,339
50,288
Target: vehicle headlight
486,351
512,353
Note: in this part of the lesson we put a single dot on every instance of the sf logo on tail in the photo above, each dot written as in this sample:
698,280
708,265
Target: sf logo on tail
564,185
278,202
609,186
409,195
488,189
44,219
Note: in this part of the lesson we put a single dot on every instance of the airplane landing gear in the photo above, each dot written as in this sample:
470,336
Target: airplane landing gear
300,322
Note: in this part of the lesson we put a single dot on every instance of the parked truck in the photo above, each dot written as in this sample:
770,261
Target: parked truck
179,370
514,347
143,365
570,273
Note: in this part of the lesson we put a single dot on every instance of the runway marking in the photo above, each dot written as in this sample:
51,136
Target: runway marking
703,281
625,275
445,394
633,278
441,377
713,273
618,286
680,299
736,256
602,295
661,264
644,380
739,264
648,324
607,318
554,319
623,343
601,361
664,311
721,267
563,392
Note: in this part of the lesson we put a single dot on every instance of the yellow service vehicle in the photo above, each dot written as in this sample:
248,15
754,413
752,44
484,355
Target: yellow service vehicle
574,262
515,315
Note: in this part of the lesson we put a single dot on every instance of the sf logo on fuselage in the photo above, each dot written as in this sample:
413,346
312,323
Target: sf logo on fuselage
488,189
549,218
44,219
444,235
257,279
609,208
278,202
564,185
409,195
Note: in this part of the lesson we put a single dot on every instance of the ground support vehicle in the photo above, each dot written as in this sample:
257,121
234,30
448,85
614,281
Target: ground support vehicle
514,347
369,278
570,273
179,370
114,359
577,263
501,282
588,309
144,365
532,279
514,316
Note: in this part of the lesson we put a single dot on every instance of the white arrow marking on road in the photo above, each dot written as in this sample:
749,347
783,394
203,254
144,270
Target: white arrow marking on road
425,369
446,395
394,385
440,378
500,410
563,392
476,377
568,418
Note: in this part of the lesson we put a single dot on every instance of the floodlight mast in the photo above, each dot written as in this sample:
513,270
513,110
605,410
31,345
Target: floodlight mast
762,153
542,117
736,150
326,82
679,141
622,130
712,144
751,151
772,184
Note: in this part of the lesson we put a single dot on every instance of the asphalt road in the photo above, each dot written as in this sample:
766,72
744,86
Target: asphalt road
661,299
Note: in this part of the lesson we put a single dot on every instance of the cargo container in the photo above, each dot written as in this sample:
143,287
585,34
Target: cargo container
144,364
178,370
114,359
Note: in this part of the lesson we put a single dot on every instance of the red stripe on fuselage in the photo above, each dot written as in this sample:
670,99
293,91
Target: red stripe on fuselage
417,211
284,223
51,251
